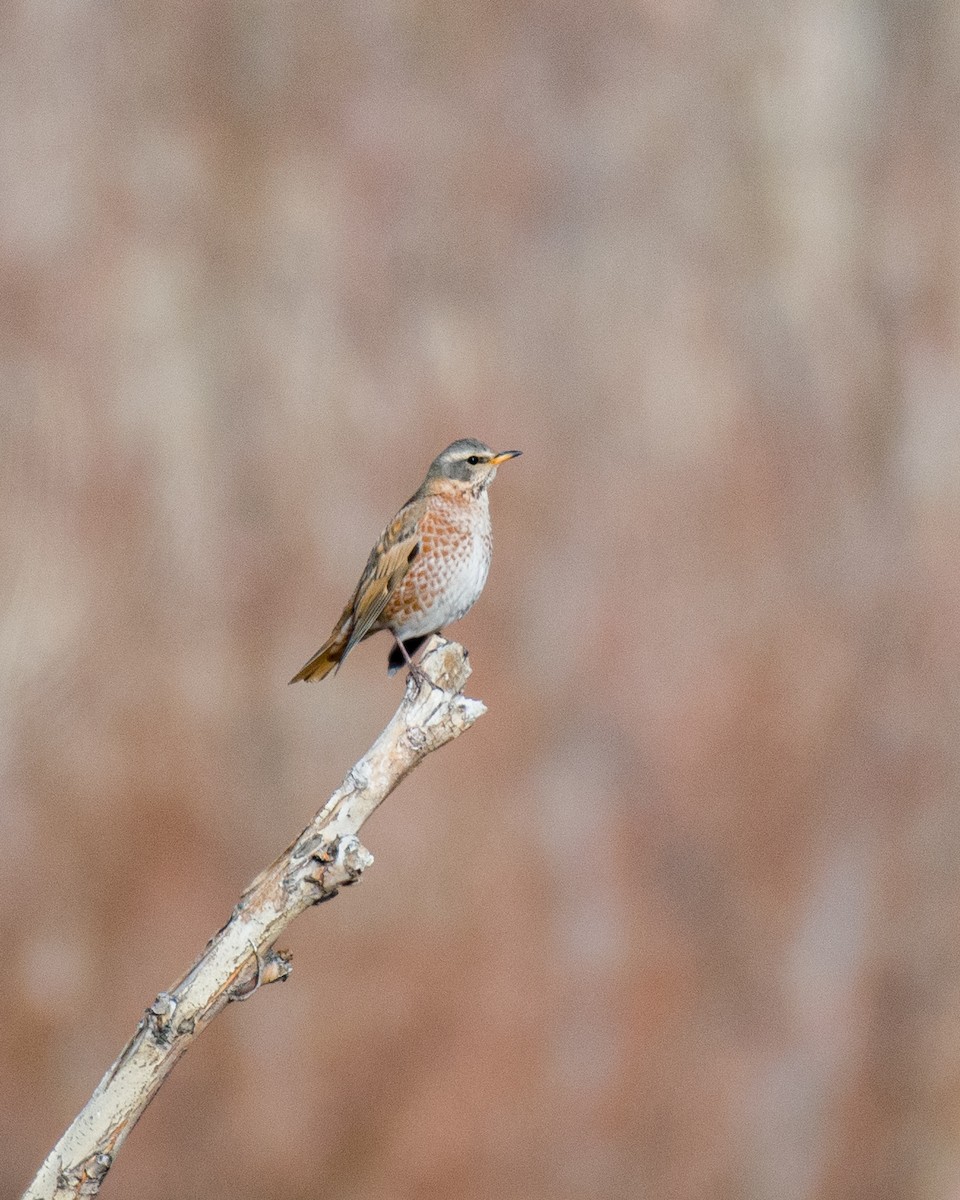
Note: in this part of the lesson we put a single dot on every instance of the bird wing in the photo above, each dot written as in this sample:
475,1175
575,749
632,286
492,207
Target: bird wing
389,561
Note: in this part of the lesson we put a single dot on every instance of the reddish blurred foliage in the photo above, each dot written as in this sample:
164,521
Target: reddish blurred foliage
678,918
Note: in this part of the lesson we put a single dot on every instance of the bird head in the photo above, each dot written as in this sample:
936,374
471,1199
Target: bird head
468,461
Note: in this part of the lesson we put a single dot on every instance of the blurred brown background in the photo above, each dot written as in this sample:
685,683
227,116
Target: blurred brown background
678,918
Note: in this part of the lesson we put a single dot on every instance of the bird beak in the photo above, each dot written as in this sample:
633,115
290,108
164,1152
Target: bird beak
500,458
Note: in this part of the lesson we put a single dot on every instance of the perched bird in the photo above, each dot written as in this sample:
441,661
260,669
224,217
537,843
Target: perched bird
428,566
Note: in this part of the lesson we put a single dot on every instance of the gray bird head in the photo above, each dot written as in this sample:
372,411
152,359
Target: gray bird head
468,461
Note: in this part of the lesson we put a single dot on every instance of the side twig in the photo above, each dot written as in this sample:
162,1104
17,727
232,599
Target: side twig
240,959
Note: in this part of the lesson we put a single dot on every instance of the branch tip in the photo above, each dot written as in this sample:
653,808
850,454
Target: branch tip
444,665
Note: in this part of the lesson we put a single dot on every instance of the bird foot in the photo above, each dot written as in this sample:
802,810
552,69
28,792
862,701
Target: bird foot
420,677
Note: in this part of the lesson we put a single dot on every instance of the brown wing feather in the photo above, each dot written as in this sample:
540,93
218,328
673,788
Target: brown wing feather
389,561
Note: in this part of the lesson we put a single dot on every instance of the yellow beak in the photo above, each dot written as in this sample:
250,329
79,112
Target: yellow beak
499,458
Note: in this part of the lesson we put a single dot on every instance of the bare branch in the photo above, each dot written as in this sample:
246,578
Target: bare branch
240,959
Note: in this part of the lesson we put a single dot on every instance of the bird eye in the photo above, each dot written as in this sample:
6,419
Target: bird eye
474,460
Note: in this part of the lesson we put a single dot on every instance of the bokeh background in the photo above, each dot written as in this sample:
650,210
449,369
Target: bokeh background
678,918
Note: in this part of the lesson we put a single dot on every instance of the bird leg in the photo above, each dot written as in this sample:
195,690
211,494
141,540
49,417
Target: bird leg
396,658
415,669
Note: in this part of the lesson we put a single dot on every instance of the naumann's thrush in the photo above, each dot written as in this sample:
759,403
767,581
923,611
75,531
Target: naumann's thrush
429,565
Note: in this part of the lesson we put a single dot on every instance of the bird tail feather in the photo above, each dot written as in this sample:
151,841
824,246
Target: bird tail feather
326,659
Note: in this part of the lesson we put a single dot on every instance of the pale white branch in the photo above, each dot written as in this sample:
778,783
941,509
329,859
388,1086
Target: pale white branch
240,958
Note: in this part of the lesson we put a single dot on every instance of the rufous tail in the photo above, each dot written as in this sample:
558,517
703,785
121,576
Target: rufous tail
325,659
